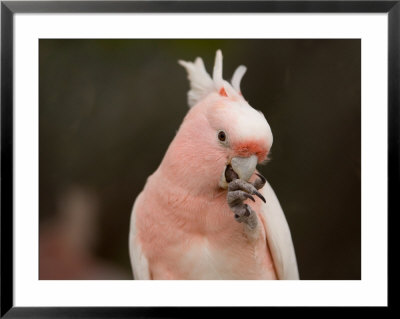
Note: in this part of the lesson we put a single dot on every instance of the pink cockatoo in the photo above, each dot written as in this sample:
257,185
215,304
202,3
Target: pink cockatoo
206,213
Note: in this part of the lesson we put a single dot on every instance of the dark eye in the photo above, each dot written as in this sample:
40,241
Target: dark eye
222,136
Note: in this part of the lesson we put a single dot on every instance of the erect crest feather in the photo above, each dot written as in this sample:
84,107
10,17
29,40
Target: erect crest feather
201,83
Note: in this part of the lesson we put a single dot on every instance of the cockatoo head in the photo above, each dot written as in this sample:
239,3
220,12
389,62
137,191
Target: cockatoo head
223,133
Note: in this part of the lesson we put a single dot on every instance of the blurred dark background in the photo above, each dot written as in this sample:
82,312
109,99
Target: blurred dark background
108,110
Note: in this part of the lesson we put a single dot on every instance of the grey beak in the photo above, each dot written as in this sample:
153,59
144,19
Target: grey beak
244,167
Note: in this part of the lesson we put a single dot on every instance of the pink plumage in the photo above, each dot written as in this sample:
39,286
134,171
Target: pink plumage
182,224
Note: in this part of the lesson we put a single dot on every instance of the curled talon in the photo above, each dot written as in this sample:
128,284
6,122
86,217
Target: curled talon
260,196
260,181
250,197
261,177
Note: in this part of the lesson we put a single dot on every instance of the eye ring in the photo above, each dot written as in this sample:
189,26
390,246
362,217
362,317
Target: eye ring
222,136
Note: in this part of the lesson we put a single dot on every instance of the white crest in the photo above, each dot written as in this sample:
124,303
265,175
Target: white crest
201,83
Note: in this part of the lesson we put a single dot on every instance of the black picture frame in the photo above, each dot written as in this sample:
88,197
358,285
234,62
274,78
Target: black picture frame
9,8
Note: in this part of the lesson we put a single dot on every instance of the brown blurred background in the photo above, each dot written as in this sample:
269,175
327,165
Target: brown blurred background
108,110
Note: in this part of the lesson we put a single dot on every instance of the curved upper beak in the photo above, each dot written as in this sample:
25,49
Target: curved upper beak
244,167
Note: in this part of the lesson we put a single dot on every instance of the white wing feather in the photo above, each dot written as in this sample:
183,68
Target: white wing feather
278,236
139,262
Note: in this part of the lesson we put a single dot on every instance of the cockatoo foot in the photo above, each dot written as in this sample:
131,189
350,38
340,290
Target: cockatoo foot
259,182
245,214
238,186
238,192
